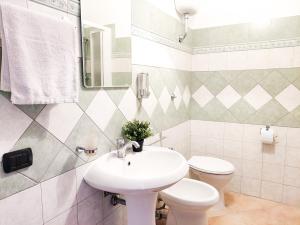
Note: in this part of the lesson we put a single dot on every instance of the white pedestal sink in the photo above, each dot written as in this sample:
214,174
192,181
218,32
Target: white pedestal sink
139,177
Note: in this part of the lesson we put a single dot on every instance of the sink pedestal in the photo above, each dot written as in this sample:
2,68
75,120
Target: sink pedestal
141,208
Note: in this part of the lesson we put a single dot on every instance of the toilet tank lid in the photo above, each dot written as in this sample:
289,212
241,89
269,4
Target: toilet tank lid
211,165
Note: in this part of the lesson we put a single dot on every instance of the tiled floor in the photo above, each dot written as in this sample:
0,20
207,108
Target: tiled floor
246,210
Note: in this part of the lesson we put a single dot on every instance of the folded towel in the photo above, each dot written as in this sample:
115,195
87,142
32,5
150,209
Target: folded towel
38,57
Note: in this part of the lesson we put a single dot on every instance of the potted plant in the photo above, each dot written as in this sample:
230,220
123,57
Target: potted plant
137,131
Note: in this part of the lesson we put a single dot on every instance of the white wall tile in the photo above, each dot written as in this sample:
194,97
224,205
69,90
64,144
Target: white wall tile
199,127
258,59
129,105
238,60
146,52
17,2
296,62
203,96
252,151
13,123
83,189
252,169
274,154
293,139
228,96
198,144
23,208
273,172
247,60
237,163
291,195
90,210
218,61
215,130
293,157
58,194
68,217
200,62
233,148
252,133
101,109
234,131
235,184
272,191
214,147
289,98
291,176
116,218
251,187
277,61
52,117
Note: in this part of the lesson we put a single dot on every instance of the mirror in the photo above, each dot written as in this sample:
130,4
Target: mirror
106,43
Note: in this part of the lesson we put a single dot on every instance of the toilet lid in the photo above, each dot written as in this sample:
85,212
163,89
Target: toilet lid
211,165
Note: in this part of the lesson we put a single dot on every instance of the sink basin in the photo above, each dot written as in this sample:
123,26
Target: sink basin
139,176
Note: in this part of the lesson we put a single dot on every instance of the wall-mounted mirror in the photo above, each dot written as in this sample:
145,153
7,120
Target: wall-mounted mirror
106,43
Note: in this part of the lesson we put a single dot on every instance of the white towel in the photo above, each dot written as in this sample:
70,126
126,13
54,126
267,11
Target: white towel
38,57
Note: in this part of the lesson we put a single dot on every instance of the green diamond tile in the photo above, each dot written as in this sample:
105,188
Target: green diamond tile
85,97
297,83
268,114
169,78
158,118
65,161
228,117
215,83
291,74
230,75
13,183
93,138
202,76
292,119
274,83
242,110
243,83
259,75
156,81
45,148
114,127
215,110
116,94
196,112
195,84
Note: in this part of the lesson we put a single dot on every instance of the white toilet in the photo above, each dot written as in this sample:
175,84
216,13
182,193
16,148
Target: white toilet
188,201
214,171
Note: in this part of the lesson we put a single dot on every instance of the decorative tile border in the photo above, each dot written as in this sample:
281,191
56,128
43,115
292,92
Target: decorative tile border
68,6
216,49
161,40
248,46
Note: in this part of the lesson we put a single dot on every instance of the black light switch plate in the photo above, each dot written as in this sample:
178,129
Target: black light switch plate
16,160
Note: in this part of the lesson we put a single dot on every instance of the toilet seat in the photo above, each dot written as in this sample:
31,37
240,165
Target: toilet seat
211,165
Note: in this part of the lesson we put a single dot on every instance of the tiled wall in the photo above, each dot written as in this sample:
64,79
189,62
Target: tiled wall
267,171
266,96
244,78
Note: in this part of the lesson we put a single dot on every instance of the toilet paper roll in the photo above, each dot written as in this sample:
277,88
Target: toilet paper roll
267,135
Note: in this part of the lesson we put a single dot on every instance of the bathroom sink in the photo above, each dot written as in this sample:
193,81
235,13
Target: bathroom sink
138,176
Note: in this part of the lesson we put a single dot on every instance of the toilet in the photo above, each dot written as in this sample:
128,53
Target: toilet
188,201
214,171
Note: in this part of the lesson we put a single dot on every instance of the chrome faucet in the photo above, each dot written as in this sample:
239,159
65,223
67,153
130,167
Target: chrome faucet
122,147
